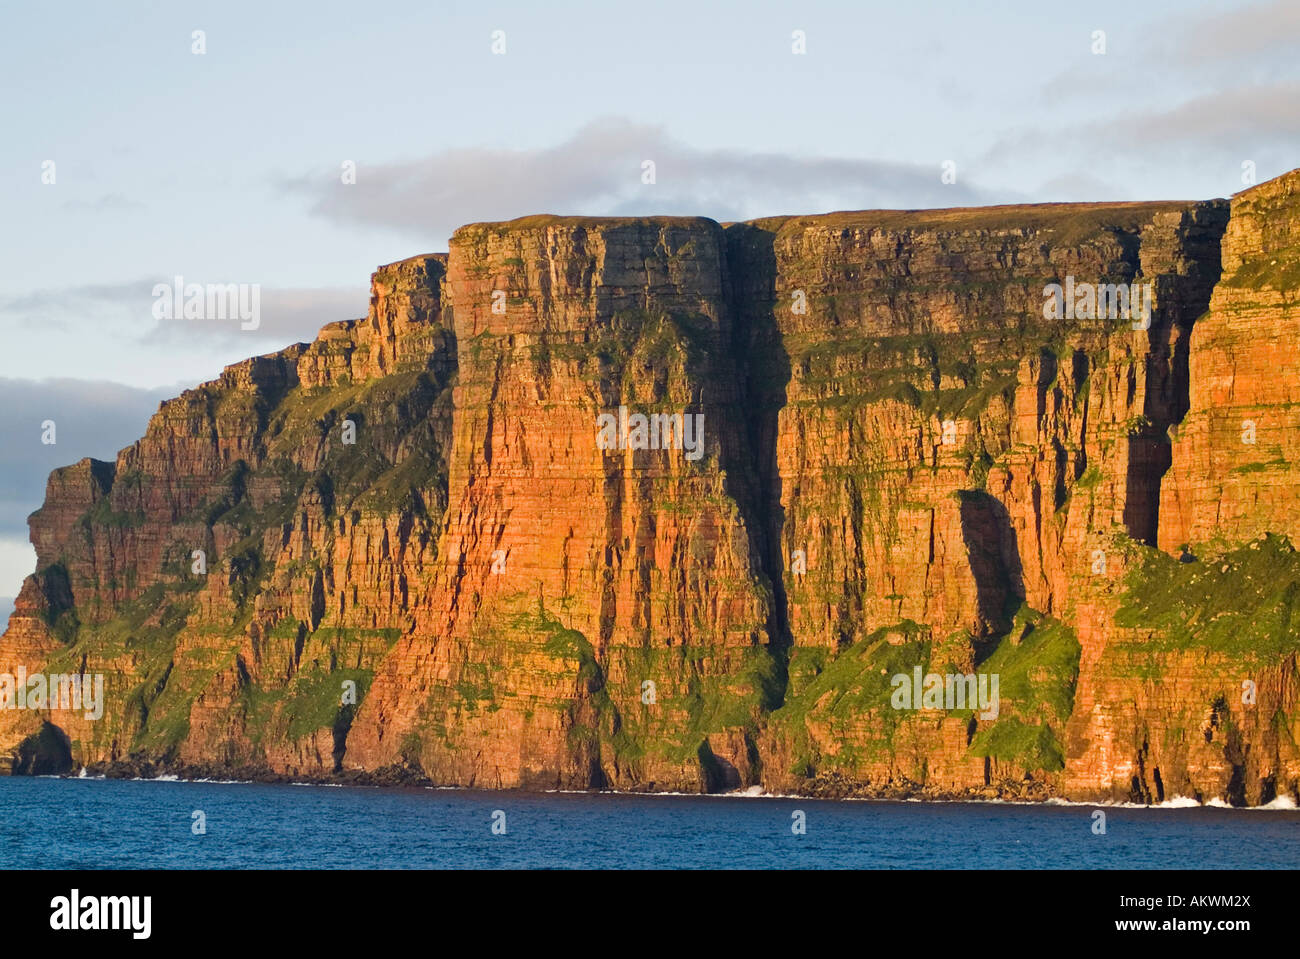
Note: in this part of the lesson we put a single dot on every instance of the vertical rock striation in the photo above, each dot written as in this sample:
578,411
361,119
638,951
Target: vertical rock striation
1235,456
567,575
408,550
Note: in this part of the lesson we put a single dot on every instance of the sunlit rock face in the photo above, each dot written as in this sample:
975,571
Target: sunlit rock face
658,504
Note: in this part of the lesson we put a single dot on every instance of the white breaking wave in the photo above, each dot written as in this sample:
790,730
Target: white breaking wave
1279,804
1179,802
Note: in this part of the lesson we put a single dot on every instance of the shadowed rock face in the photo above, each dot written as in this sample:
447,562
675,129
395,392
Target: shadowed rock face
903,463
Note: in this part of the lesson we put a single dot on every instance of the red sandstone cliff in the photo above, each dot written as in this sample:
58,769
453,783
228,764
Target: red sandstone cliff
905,464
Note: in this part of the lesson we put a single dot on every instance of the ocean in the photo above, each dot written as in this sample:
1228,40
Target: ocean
54,823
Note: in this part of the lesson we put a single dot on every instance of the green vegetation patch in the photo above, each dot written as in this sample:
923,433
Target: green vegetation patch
1037,665
1242,602
857,681
1279,270
1030,746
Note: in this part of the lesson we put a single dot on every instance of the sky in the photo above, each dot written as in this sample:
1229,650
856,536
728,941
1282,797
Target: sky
135,151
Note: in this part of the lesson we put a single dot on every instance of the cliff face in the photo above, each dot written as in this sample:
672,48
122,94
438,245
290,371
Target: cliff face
567,575
434,543
1234,475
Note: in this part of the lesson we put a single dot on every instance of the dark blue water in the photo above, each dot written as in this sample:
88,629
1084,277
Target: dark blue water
72,823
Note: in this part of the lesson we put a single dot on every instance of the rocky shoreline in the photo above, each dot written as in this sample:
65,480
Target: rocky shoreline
826,786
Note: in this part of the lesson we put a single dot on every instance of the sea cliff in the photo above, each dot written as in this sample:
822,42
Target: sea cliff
420,563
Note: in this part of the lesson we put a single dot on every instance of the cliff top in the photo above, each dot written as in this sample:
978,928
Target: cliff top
418,258
538,220
1283,183
1074,217
1021,216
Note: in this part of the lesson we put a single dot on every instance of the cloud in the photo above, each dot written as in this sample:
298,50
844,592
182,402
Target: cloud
287,315
51,307
91,419
1232,120
1184,56
1263,33
1220,129
6,607
599,171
